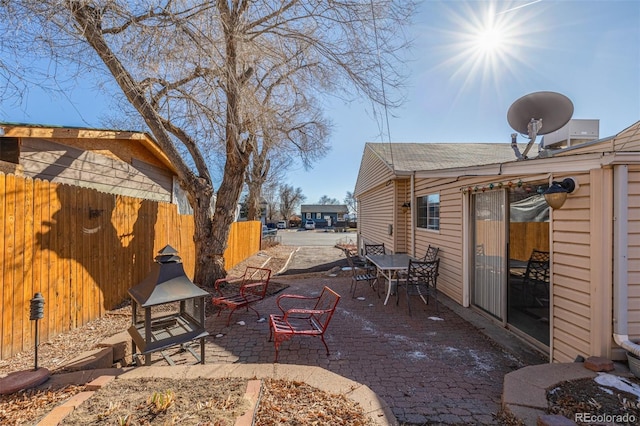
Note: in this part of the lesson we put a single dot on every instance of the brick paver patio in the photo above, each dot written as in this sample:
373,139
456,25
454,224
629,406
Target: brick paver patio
428,368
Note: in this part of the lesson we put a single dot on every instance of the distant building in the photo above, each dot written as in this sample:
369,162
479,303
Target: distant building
324,215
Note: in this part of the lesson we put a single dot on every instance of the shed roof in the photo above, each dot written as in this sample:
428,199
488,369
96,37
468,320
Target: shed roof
53,131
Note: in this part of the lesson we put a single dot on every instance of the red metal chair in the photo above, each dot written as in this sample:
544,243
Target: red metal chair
302,321
251,288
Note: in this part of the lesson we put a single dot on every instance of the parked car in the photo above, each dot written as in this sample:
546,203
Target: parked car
267,231
309,224
281,224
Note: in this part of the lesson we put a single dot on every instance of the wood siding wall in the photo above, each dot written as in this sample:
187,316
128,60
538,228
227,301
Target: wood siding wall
402,228
571,261
56,162
448,238
633,263
375,214
373,172
83,250
375,192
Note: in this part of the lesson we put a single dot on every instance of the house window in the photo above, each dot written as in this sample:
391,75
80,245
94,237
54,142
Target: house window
9,150
318,215
429,211
308,215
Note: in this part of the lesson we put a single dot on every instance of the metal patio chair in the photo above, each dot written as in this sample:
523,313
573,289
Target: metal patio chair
361,274
421,280
431,254
374,249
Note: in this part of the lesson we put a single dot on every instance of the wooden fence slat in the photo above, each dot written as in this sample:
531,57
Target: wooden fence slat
38,258
72,264
8,269
58,291
20,322
28,253
5,351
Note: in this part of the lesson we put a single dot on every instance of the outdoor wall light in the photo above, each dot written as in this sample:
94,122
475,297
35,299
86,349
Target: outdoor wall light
557,193
405,206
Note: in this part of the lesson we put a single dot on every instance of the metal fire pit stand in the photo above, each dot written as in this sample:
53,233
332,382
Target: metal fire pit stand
151,335
167,284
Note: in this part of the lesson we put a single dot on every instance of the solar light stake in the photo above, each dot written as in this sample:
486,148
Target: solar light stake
37,313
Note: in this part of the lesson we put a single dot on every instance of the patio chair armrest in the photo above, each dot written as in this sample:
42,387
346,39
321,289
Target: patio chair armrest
284,297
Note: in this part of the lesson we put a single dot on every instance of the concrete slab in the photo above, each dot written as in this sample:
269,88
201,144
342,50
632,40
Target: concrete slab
545,375
521,392
529,416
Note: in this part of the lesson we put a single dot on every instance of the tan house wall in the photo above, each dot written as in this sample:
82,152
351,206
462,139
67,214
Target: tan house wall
633,264
373,172
376,203
581,273
402,230
375,214
448,238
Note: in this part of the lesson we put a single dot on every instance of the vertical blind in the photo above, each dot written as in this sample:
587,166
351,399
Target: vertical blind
490,254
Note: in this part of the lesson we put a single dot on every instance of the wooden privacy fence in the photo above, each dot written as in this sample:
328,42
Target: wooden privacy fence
83,249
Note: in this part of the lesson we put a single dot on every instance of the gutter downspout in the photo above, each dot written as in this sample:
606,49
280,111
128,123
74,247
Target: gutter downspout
620,258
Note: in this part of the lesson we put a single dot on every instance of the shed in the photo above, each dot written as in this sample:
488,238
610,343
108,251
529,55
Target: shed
112,161
487,213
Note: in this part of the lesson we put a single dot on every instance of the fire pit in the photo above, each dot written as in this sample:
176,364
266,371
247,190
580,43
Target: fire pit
181,319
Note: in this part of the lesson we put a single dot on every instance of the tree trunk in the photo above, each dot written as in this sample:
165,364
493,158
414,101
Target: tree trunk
253,202
207,267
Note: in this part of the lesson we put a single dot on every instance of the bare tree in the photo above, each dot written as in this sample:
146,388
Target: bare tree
325,199
198,72
350,201
290,200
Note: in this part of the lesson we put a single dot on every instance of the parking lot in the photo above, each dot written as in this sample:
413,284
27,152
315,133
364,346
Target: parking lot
319,237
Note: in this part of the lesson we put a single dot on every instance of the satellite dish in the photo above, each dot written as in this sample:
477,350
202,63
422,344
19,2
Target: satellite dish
538,113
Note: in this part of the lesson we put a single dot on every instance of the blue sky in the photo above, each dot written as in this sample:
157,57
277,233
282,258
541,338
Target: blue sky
459,90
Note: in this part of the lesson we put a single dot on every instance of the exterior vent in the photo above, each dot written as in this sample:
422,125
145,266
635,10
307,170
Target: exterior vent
575,132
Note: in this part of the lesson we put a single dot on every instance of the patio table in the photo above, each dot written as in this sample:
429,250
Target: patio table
388,265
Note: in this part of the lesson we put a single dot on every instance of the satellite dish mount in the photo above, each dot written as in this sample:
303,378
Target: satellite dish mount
526,114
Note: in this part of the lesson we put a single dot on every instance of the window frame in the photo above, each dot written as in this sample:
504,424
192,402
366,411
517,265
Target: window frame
428,212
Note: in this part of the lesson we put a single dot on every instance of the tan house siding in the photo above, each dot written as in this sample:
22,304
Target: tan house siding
375,213
402,231
448,238
373,171
375,191
633,248
571,250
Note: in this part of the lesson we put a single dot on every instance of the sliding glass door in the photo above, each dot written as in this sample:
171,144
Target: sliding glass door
511,260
